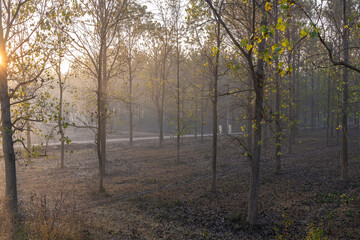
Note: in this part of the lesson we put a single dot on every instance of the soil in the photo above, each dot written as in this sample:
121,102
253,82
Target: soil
150,196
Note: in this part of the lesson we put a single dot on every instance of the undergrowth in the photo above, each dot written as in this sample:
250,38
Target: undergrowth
45,218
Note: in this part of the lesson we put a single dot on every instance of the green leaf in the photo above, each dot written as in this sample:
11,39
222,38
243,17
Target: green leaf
284,6
264,29
244,42
313,34
278,50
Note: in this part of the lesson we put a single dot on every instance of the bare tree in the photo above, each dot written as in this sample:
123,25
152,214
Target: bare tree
95,34
176,9
132,32
162,40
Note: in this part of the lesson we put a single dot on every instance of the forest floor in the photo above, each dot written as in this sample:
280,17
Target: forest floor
149,196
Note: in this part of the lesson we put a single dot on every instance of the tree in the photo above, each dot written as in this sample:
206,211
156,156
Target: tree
132,32
95,32
345,82
176,10
318,31
6,128
278,131
13,15
248,46
61,24
210,48
161,36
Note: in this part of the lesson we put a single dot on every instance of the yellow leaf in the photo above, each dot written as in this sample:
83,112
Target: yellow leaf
303,33
249,47
268,6
286,43
281,51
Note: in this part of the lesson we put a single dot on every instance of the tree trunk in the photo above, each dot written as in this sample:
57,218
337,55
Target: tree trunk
182,125
28,135
328,116
11,202
249,114
278,131
178,130
357,116
103,129
202,118
60,120
297,99
337,126
28,139
98,141
344,154
162,100
291,103
161,116
265,136
130,101
312,114
332,124
104,107
317,101
196,117
258,77
100,118
215,102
